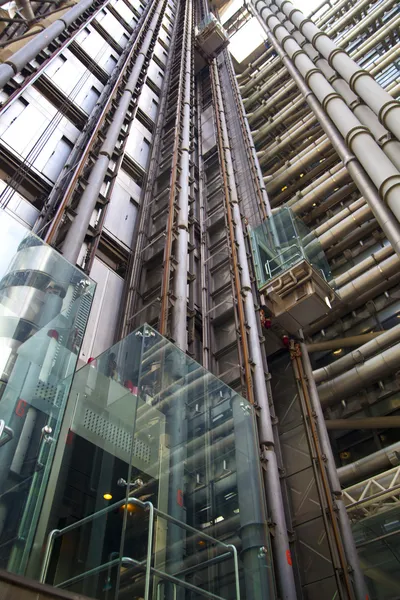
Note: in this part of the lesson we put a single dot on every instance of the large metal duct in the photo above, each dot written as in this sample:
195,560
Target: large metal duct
278,119
266,106
349,15
319,188
343,222
340,194
361,376
377,274
251,66
306,70
300,163
360,355
263,90
265,71
360,27
370,465
365,115
350,341
290,137
338,217
363,266
361,82
380,34
331,12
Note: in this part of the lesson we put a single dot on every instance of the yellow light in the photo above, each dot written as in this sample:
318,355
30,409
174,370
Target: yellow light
301,174
107,496
314,204
338,351
398,315
284,188
130,508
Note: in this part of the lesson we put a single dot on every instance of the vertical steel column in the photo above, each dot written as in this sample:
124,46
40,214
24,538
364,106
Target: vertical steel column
345,528
78,228
179,309
249,328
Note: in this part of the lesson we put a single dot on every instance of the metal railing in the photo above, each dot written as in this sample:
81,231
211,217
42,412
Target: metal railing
146,564
283,263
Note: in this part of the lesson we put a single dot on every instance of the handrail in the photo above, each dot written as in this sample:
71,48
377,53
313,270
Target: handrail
279,255
55,533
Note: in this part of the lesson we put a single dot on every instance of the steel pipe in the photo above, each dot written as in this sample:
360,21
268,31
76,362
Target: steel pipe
344,222
347,342
368,423
365,115
360,81
180,275
347,537
360,355
386,178
290,137
263,90
359,377
77,231
374,276
372,41
265,71
276,511
22,57
271,102
299,164
370,465
278,119
319,188
363,266
383,214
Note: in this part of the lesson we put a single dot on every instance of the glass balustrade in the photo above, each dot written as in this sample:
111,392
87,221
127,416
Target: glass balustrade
159,488
44,306
282,241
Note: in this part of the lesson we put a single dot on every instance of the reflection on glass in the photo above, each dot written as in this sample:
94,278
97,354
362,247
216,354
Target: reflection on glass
377,539
44,306
176,450
282,241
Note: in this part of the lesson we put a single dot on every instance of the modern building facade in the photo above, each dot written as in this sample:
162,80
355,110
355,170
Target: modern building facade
215,246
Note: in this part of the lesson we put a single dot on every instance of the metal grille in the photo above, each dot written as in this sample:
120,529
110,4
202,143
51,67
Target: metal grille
116,435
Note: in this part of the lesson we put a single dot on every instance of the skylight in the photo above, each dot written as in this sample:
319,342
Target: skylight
252,35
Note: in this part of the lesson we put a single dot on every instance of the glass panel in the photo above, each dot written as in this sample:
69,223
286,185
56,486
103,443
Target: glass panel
378,543
282,241
105,449
44,306
178,443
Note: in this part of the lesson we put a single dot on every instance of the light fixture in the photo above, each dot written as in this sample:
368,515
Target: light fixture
314,204
301,174
284,188
398,315
338,351
107,496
